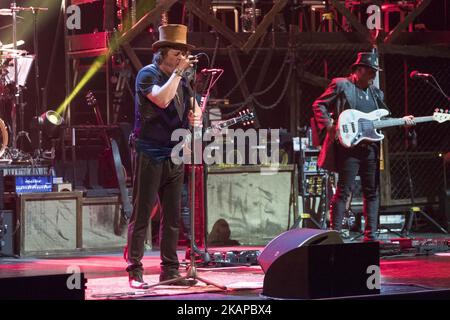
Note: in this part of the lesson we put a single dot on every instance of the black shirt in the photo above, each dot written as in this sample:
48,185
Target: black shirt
365,101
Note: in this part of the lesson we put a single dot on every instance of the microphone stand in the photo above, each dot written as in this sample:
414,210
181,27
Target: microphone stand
214,76
16,101
437,87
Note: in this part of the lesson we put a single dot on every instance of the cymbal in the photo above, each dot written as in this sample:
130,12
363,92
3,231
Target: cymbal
8,12
8,56
5,12
13,54
31,9
11,45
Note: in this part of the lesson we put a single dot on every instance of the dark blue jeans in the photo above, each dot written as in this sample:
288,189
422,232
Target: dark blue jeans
362,160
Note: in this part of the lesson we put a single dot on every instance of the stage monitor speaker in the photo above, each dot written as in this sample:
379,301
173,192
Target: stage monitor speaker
68,286
312,264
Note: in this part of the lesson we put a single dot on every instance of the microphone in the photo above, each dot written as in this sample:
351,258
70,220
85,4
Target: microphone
417,75
204,71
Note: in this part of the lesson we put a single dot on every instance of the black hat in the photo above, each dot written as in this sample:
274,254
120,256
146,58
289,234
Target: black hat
367,59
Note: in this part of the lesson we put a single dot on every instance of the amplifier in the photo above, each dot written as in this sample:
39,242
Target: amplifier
50,223
246,206
86,42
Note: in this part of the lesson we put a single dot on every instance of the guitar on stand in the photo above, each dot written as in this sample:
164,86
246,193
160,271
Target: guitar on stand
110,160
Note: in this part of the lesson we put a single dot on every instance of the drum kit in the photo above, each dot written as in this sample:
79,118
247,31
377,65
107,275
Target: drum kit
15,66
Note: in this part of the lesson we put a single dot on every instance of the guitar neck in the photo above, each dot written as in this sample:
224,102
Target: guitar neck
219,126
379,124
100,122
225,124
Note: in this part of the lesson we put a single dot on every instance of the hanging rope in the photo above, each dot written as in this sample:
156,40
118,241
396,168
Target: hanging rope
288,60
285,62
283,92
247,70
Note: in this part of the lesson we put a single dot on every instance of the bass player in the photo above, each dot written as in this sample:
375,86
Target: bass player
356,92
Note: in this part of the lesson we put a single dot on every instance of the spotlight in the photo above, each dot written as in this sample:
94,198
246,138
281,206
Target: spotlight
50,123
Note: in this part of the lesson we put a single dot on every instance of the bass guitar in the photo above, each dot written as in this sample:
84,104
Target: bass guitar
355,126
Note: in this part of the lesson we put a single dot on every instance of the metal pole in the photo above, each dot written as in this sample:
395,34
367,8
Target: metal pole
66,62
16,82
36,63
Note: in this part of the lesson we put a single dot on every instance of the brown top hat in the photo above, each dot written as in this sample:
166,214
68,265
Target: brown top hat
367,59
172,35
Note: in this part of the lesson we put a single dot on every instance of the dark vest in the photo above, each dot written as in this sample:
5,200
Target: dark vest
152,123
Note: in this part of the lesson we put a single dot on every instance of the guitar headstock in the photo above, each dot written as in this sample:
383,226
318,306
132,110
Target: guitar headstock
441,115
90,99
246,116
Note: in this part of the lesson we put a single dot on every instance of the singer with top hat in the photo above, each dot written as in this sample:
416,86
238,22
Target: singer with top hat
163,103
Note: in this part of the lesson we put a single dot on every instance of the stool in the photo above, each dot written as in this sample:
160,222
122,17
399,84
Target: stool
225,8
402,8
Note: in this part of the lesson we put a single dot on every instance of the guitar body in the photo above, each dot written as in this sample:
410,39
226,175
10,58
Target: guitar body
355,126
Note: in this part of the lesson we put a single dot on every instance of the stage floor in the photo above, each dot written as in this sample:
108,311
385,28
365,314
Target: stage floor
107,279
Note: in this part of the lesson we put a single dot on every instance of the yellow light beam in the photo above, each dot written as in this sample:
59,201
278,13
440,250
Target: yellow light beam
93,69
114,43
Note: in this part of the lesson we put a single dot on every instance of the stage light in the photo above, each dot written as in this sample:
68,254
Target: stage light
50,123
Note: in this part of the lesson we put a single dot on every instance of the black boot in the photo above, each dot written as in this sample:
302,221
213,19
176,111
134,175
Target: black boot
173,274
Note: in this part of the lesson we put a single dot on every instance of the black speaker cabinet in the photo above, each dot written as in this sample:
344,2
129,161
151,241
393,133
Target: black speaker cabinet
312,264
6,232
64,286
